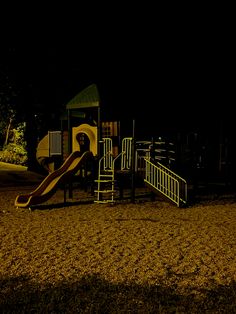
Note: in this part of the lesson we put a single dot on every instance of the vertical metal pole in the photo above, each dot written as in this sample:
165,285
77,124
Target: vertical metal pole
64,193
119,135
62,141
69,131
220,148
69,148
99,133
133,165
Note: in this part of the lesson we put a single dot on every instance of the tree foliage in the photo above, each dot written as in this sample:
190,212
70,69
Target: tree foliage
7,108
12,127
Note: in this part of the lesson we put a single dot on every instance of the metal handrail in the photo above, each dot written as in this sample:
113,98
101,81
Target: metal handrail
168,183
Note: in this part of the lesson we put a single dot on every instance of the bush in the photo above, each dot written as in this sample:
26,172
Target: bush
14,154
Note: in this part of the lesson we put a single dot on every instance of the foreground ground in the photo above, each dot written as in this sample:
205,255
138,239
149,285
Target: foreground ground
147,257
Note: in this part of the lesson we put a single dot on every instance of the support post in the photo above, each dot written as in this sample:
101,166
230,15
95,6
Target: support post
133,165
69,147
99,133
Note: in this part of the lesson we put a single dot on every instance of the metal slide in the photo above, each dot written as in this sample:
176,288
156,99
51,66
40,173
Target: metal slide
50,184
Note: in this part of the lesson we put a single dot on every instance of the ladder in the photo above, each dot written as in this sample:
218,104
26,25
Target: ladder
105,185
106,175
105,192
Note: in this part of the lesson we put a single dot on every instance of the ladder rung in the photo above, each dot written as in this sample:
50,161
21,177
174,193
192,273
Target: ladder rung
104,181
106,175
104,191
105,201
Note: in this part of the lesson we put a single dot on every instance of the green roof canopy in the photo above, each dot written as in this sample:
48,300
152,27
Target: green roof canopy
87,98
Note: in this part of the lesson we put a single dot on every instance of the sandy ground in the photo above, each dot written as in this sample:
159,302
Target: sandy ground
147,257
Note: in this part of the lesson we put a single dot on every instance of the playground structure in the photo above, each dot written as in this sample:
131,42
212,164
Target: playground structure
94,147
136,163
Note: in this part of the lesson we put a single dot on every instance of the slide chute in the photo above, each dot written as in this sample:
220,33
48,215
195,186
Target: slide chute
50,184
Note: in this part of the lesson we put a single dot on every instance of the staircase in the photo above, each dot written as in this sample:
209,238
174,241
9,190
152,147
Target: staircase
162,179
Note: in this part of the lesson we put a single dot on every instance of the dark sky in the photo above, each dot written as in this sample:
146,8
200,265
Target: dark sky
155,70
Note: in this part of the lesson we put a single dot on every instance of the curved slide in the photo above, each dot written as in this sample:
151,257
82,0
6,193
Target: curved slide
50,184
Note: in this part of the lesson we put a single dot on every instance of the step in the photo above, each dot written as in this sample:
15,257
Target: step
104,181
104,191
104,201
106,175
107,172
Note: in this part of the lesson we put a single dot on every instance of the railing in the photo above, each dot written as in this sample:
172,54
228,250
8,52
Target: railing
126,155
107,158
166,181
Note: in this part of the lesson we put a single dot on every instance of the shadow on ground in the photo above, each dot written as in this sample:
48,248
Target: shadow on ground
10,178
61,204
93,294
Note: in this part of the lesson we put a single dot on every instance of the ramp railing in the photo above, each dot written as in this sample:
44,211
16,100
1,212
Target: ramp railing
166,181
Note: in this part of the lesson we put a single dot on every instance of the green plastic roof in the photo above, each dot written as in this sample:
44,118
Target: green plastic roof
87,98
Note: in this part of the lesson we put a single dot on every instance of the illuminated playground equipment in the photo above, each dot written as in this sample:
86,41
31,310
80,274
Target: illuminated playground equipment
55,144
106,174
91,133
81,118
48,149
107,168
82,131
156,176
52,181
165,181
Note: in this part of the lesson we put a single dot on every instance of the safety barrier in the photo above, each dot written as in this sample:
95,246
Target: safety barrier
107,160
166,182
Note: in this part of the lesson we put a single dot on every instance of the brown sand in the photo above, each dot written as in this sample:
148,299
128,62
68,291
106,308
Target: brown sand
147,257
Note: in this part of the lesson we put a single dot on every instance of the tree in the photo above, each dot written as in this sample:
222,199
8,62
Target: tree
7,108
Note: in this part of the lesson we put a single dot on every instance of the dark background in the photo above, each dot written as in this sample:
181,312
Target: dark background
169,70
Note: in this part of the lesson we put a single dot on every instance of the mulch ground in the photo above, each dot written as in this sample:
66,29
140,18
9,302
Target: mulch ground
146,257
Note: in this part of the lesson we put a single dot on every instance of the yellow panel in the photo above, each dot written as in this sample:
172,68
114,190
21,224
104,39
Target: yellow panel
91,132
43,147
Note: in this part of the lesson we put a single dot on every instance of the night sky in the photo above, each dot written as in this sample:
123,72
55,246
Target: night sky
159,72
